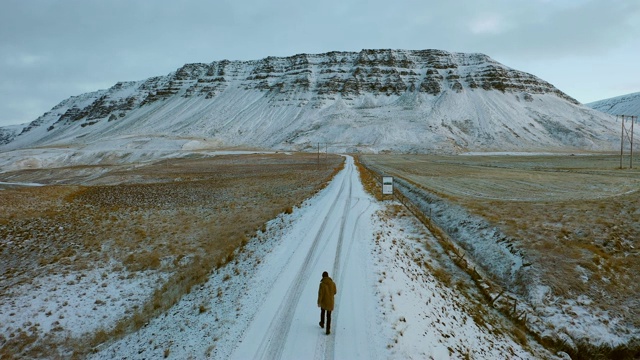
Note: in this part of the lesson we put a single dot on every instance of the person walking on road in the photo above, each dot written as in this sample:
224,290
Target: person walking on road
325,300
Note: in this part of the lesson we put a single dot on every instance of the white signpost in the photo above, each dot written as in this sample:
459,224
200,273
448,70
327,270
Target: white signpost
387,185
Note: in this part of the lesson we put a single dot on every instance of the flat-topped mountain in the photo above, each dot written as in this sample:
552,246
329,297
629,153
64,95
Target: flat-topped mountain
369,101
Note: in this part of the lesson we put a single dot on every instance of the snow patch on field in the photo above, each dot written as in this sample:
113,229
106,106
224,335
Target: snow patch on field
551,317
76,303
111,152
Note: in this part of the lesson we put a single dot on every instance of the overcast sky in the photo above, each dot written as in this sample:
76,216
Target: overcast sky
50,50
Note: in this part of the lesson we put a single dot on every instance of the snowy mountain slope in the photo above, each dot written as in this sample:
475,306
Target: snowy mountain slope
8,133
372,100
620,105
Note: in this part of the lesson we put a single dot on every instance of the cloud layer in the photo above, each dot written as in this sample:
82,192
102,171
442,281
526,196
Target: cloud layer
53,49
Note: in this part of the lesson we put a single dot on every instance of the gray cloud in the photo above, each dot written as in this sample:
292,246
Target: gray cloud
52,49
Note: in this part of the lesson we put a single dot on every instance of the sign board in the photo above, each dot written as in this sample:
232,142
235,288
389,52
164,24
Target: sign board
387,185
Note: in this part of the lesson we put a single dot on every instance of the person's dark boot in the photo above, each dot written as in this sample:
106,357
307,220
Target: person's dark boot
321,324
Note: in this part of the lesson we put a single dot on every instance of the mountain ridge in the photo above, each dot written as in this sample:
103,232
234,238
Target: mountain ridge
369,101
628,104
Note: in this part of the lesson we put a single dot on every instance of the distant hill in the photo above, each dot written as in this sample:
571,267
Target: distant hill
8,133
428,101
620,105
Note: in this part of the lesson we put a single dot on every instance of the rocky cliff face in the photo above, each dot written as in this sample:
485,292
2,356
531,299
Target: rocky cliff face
372,100
7,134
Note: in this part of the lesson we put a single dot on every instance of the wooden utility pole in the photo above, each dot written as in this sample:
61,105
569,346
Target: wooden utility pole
633,119
621,139
628,133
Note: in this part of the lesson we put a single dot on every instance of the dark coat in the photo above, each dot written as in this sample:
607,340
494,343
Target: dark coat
325,293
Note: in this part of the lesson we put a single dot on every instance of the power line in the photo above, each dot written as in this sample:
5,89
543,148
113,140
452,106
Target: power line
628,134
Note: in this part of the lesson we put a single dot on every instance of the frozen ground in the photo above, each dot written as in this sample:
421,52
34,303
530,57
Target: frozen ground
263,304
83,263
535,224
76,303
126,151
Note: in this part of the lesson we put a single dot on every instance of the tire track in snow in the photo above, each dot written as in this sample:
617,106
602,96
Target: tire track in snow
345,213
330,348
274,341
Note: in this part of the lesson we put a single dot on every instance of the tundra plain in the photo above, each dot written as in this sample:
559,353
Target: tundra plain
566,227
75,257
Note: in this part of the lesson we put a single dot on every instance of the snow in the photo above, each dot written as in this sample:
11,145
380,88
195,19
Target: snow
620,105
263,304
112,152
551,316
15,184
74,304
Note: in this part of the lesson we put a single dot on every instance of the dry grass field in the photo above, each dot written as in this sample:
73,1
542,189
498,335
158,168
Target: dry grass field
181,218
574,219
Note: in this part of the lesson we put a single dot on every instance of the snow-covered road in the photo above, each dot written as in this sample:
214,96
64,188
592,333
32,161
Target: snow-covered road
330,237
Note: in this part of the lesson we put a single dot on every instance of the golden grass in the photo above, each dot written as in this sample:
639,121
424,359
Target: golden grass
153,221
369,180
590,218
576,218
